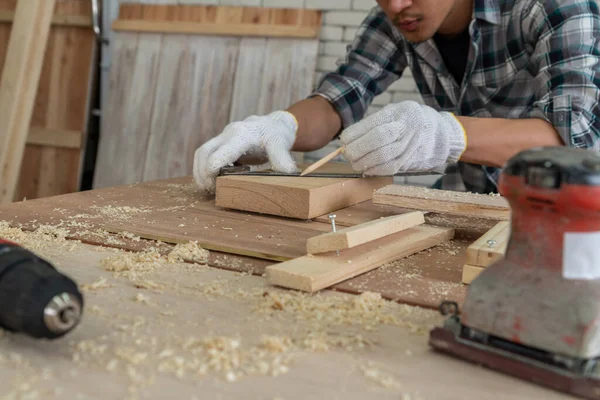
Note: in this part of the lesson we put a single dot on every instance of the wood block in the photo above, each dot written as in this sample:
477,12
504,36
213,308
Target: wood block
444,201
481,253
470,272
311,273
360,234
294,197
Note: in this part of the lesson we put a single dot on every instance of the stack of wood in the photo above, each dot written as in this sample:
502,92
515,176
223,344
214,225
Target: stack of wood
47,59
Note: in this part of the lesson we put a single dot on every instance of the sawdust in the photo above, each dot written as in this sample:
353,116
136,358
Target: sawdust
136,265
188,252
373,372
321,322
100,283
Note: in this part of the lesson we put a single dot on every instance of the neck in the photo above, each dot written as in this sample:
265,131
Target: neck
458,18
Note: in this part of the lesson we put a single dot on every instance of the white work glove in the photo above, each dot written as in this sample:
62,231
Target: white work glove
274,134
404,137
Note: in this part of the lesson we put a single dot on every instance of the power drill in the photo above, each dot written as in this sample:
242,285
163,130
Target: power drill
35,298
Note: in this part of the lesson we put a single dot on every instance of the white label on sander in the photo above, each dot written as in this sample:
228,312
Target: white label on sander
581,255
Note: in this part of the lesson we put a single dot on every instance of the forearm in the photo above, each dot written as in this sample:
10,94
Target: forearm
492,141
318,123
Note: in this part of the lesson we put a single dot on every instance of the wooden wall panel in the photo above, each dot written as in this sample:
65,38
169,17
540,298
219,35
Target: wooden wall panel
62,100
152,125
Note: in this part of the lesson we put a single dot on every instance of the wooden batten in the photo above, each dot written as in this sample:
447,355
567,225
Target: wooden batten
61,138
18,87
55,135
311,273
82,21
444,201
219,20
363,233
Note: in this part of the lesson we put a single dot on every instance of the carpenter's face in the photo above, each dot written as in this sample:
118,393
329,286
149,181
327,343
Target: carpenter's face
418,20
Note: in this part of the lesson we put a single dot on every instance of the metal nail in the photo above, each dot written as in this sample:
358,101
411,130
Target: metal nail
491,243
332,219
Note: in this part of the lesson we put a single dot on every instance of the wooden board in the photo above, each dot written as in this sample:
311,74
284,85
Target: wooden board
161,103
444,201
18,86
315,272
137,343
295,197
489,247
426,278
356,235
470,272
52,163
221,20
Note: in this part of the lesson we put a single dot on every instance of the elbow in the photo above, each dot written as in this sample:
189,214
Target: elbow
574,119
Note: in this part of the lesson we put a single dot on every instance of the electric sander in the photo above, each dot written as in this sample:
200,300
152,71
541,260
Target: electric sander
535,313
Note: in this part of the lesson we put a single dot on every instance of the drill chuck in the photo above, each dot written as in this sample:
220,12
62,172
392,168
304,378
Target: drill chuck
35,298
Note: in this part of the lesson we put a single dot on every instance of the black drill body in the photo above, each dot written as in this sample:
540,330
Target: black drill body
35,298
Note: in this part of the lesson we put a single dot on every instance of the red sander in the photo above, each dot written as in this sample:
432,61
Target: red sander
535,314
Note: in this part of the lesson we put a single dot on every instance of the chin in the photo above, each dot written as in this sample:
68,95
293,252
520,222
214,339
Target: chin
418,35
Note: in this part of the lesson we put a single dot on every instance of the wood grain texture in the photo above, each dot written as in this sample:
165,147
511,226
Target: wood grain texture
482,253
126,124
294,197
54,138
198,84
425,278
360,234
193,73
470,272
18,86
176,322
444,201
315,272
219,20
52,162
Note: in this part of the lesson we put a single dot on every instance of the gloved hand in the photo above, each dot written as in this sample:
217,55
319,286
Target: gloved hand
404,137
274,134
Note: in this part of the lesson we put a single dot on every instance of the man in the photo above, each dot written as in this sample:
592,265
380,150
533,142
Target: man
496,77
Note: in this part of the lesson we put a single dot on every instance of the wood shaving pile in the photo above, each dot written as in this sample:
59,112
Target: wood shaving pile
188,252
135,265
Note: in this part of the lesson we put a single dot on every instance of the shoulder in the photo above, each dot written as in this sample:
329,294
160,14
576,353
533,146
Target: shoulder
542,14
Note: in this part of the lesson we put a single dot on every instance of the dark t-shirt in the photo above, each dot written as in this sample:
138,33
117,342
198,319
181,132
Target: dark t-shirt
455,53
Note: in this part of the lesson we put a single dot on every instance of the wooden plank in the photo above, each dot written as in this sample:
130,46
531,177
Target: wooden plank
52,164
315,272
360,234
483,252
219,20
18,87
127,119
81,21
426,278
192,72
444,201
261,88
63,138
294,197
470,272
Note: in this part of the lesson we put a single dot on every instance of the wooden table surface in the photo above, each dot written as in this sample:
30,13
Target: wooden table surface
158,328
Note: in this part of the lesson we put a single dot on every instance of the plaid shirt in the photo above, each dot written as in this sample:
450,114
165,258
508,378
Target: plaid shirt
528,59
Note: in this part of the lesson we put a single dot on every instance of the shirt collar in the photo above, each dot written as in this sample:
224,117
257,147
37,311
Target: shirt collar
487,10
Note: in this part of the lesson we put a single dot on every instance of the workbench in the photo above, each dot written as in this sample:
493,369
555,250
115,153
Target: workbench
167,321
